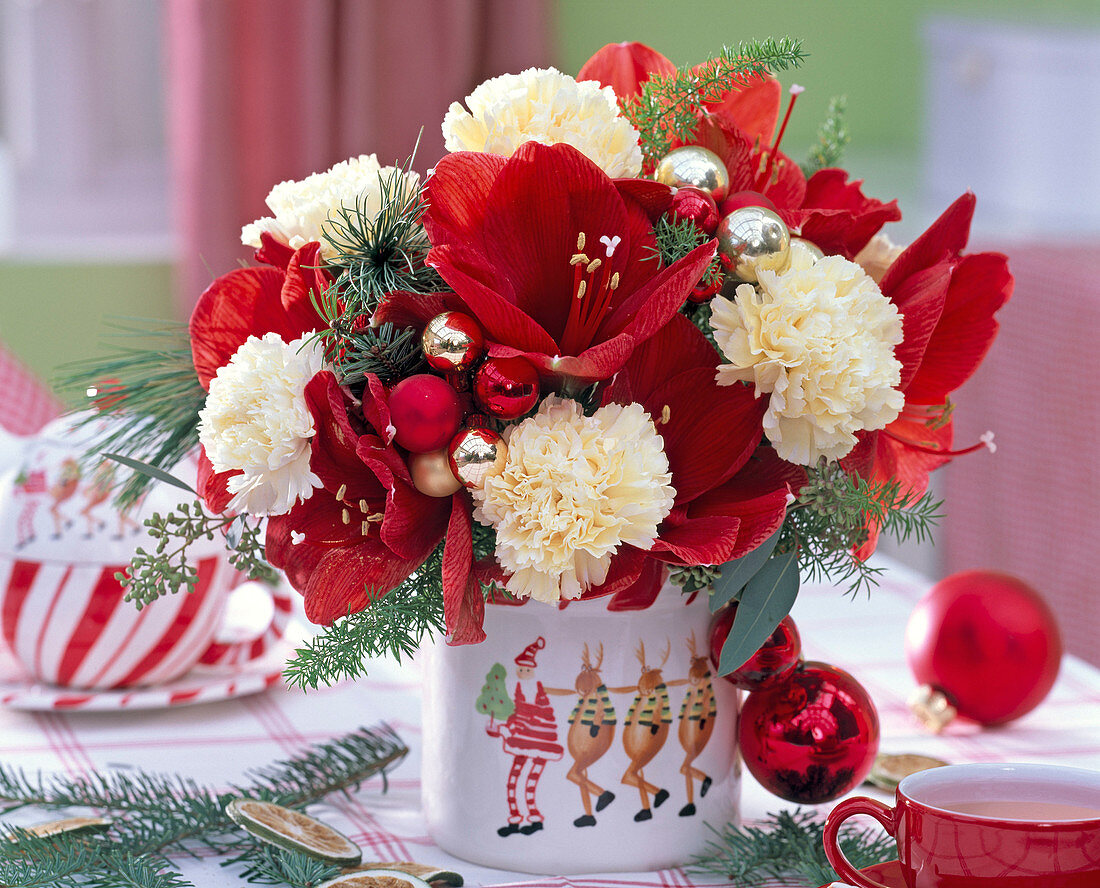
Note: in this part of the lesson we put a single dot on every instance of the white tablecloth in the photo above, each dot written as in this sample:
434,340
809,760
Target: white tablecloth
215,743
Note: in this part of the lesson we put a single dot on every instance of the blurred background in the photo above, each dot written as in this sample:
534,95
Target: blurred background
138,136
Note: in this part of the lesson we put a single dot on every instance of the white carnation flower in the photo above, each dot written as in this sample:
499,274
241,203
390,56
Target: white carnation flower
573,490
302,208
256,420
819,339
544,105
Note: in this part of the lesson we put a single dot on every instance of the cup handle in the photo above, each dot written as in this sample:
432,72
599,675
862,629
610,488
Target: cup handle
884,814
232,653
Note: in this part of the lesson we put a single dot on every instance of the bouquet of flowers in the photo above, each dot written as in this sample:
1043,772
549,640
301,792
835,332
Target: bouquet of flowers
615,336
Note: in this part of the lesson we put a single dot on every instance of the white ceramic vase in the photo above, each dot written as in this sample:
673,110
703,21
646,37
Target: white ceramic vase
580,739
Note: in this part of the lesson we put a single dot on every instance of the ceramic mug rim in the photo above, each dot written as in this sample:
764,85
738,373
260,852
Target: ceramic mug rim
1061,774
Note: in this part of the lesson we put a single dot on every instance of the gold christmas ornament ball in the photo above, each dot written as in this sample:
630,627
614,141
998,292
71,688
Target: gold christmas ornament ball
696,166
476,454
754,239
814,249
452,341
432,475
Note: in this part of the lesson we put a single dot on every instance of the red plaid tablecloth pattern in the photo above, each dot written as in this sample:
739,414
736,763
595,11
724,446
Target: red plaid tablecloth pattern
216,742
25,403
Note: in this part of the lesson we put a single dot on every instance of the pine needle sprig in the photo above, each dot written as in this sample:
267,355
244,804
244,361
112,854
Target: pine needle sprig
394,625
830,517
263,864
154,813
667,108
832,138
166,569
787,846
390,353
150,372
384,252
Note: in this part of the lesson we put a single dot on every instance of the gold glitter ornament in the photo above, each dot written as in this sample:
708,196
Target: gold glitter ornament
432,475
754,239
696,166
475,454
452,341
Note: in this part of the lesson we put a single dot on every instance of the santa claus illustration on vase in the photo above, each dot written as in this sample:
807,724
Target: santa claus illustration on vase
531,737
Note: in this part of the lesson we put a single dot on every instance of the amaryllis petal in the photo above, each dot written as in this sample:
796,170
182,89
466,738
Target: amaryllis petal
334,459
753,105
945,238
404,309
709,431
980,285
625,67
677,347
348,580
297,561
305,284
920,298
246,302
836,216
653,197
458,193
212,486
273,252
598,362
463,605
705,540
641,592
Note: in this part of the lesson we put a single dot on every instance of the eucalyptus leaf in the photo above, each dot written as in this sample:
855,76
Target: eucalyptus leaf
767,599
739,571
150,471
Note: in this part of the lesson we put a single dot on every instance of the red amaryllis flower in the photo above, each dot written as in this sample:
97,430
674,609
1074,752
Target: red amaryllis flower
826,209
251,302
731,494
555,260
367,528
948,301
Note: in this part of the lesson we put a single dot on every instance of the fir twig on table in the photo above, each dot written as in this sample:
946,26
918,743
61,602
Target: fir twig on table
789,846
154,380
154,814
265,864
394,625
666,110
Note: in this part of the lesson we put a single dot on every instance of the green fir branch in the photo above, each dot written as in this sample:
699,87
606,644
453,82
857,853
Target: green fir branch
832,138
150,372
264,864
787,846
667,109
154,814
394,625
389,352
166,569
384,252
831,516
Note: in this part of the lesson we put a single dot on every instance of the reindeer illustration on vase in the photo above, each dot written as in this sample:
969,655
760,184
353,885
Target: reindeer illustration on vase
645,729
697,716
591,733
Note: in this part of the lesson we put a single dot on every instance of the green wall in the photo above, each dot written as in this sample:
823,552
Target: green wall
52,314
870,51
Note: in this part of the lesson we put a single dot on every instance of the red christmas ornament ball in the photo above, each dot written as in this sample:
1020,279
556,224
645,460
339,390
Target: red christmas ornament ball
988,642
696,205
740,199
425,411
506,387
452,341
811,738
772,664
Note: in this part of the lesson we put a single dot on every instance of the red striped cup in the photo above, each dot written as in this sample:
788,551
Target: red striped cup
61,610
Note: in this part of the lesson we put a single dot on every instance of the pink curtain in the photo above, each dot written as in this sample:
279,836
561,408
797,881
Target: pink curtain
266,90
1030,509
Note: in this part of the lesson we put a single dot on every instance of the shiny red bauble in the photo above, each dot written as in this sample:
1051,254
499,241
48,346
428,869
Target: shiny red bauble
811,738
452,342
697,205
425,411
740,199
772,664
988,642
506,388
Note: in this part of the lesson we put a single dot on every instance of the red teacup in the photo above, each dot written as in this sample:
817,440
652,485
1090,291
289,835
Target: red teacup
986,825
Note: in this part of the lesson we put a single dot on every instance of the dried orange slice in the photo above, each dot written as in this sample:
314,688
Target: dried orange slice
889,770
293,831
376,878
68,825
432,874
